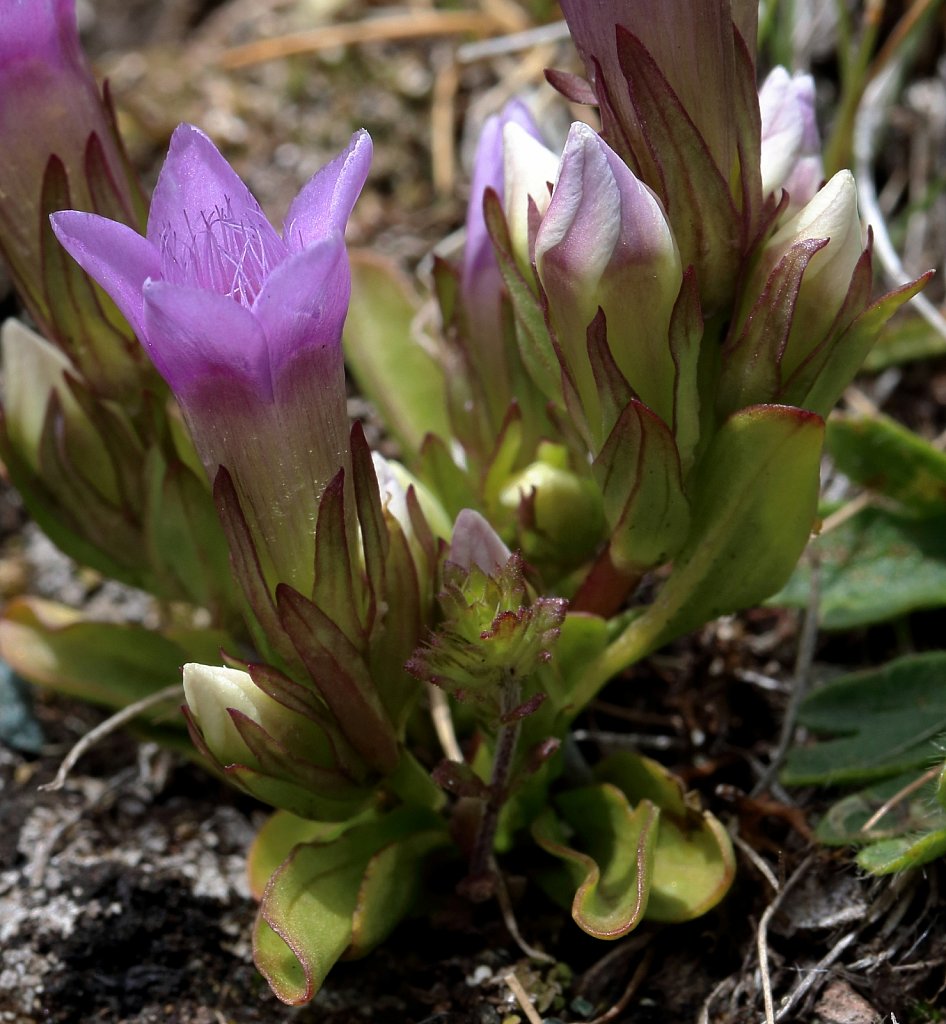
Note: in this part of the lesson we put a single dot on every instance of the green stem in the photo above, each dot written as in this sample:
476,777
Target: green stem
641,636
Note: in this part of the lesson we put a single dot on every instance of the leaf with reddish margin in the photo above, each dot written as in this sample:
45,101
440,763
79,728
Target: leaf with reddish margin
573,87
613,878
638,470
535,345
282,831
374,533
614,392
315,769
290,796
342,896
753,503
335,584
338,671
685,335
694,864
700,207
752,360
404,621
103,352
849,353
263,621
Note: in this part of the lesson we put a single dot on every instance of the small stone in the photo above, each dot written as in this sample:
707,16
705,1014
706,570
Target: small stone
840,1004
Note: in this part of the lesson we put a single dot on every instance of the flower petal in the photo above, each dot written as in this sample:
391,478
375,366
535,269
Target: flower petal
197,183
325,202
476,543
116,256
194,336
304,301
488,172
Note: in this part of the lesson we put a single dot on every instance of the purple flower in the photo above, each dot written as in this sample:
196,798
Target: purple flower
58,135
791,146
244,325
604,242
479,261
481,284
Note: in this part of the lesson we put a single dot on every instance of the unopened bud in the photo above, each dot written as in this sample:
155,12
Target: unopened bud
605,242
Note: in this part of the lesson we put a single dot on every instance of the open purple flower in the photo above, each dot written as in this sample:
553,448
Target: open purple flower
244,324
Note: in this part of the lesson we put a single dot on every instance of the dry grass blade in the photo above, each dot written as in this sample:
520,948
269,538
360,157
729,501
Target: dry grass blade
385,29
901,794
109,726
870,119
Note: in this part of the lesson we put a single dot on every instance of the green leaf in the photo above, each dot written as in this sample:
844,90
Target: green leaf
638,470
908,810
849,352
101,662
636,846
879,453
752,506
613,873
887,720
907,338
891,855
341,896
339,672
876,566
694,864
182,534
582,639
389,361
535,345
279,834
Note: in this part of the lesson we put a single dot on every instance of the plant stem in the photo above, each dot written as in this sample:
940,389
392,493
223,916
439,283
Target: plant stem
480,883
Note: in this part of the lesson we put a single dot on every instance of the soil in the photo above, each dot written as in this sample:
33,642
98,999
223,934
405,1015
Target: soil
123,897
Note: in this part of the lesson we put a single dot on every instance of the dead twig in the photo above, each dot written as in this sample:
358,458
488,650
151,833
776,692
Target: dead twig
637,979
442,118
107,727
522,998
870,119
509,919
807,643
762,938
443,723
803,986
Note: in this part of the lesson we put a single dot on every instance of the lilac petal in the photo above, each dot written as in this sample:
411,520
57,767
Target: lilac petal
325,202
197,183
114,255
193,335
40,30
476,543
304,301
488,172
